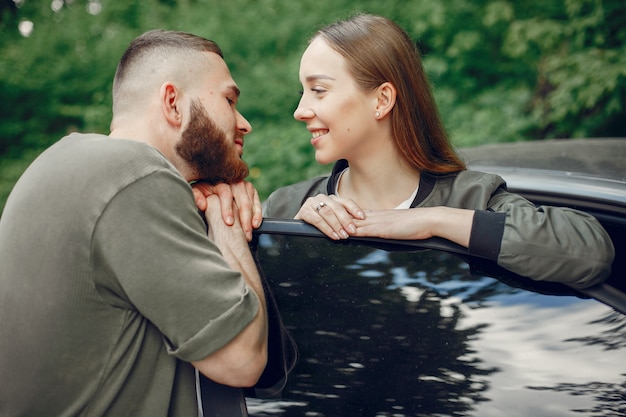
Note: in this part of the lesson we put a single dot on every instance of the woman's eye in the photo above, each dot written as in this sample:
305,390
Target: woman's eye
316,90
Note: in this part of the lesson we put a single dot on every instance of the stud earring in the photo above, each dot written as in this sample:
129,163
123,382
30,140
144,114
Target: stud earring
377,114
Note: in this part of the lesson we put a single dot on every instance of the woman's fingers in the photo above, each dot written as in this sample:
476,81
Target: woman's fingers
350,206
332,215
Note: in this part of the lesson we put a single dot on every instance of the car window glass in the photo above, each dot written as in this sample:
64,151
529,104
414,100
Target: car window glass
422,332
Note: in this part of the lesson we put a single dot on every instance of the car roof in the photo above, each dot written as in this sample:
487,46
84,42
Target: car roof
596,157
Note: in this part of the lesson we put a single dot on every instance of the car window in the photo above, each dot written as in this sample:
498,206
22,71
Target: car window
385,329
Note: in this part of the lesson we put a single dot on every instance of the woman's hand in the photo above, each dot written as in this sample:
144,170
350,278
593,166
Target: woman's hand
340,218
242,193
418,223
332,215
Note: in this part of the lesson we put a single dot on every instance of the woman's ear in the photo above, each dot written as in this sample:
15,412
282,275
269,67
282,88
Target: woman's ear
386,99
171,104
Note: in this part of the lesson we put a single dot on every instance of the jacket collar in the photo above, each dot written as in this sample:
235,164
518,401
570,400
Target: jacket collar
427,182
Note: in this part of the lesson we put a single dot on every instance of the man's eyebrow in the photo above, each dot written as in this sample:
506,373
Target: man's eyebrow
234,89
316,77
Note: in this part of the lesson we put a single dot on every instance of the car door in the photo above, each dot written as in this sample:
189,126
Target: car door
422,329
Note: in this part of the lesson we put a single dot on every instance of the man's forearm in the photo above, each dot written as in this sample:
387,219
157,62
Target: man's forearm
243,359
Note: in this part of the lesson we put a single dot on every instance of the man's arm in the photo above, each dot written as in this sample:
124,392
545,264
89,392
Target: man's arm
241,362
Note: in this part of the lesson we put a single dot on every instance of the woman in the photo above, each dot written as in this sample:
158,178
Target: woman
368,105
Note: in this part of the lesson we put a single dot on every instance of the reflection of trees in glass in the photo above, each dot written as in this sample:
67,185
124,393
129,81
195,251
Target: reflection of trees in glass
614,337
610,399
380,333
367,347
450,276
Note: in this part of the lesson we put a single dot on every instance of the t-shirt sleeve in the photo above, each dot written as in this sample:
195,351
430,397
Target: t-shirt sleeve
155,259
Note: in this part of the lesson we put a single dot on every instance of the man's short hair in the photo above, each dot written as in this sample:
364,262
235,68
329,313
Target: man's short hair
154,57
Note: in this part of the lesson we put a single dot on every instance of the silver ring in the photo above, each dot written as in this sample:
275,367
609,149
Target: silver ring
319,206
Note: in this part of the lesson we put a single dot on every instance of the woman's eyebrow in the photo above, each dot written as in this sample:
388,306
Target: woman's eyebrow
316,77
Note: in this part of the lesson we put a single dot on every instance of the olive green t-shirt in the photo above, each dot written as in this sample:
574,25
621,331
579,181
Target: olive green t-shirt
109,285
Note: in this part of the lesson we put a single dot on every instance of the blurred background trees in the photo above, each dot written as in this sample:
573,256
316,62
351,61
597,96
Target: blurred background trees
502,70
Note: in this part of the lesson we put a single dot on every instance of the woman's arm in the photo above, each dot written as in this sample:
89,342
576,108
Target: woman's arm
542,243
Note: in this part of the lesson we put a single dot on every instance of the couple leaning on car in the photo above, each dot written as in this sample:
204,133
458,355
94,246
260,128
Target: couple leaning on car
114,293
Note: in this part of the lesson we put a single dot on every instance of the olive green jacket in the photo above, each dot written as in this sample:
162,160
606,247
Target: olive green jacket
542,243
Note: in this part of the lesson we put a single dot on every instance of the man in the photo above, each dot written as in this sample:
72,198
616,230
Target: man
111,292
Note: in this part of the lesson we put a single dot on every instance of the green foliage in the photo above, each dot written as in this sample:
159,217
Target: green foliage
502,70
281,155
577,54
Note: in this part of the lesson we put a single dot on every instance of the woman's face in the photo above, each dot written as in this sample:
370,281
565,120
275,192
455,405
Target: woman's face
339,115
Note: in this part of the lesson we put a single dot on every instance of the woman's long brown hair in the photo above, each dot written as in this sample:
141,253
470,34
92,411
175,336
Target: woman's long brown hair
377,50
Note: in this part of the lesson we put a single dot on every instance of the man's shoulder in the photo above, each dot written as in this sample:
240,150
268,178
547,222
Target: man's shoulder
81,164
93,154
98,145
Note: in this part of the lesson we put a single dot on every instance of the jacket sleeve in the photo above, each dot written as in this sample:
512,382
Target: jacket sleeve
548,243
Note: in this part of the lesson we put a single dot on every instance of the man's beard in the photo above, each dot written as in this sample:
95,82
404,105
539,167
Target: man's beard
207,150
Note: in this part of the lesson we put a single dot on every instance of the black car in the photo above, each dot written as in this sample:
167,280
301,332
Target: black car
397,328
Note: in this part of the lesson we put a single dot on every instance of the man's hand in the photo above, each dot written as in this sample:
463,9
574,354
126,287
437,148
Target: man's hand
242,193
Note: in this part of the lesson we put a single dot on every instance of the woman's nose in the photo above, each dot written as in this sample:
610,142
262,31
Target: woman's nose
302,112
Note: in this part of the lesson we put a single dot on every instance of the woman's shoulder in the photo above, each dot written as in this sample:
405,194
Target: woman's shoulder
285,201
466,189
302,188
470,178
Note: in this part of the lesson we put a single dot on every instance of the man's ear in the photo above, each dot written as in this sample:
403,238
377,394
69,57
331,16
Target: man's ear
386,98
171,104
